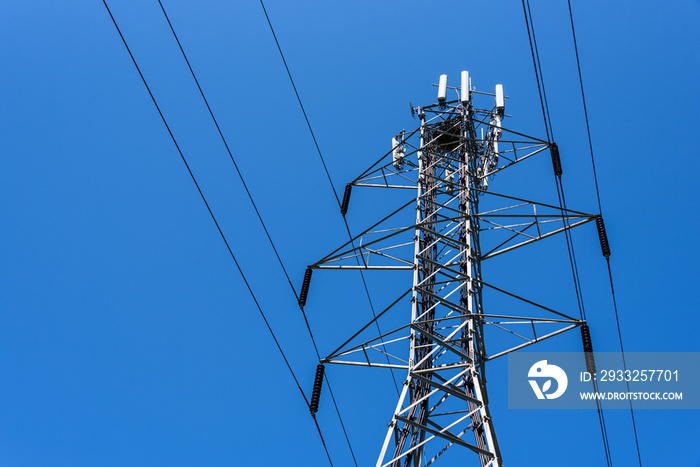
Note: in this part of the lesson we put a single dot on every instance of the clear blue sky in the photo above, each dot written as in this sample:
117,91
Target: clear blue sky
127,337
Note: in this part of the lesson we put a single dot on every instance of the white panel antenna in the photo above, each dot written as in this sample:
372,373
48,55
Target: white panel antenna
466,92
500,100
442,89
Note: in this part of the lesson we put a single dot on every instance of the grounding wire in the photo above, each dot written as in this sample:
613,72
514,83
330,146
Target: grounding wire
330,180
218,227
562,204
600,210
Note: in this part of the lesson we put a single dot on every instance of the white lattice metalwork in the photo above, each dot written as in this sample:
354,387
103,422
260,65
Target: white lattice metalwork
448,161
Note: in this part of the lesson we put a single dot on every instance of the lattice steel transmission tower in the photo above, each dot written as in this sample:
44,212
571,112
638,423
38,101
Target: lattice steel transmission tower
447,162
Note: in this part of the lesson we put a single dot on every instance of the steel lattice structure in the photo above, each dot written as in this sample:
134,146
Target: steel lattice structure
447,162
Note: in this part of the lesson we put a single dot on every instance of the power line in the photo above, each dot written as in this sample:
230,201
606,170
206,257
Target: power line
337,199
257,212
228,149
622,351
562,203
289,73
585,109
218,227
335,193
550,136
600,210
537,70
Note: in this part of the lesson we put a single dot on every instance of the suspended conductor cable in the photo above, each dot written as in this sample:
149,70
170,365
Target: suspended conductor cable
550,135
537,73
562,205
289,73
600,210
532,39
585,109
218,227
228,149
250,197
604,431
335,193
624,362
539,68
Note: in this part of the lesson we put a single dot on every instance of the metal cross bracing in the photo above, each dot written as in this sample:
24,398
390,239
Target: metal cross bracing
447,162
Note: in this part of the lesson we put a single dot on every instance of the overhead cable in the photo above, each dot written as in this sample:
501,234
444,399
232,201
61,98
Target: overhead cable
218,227
330,180
600,210
562,203
257,212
